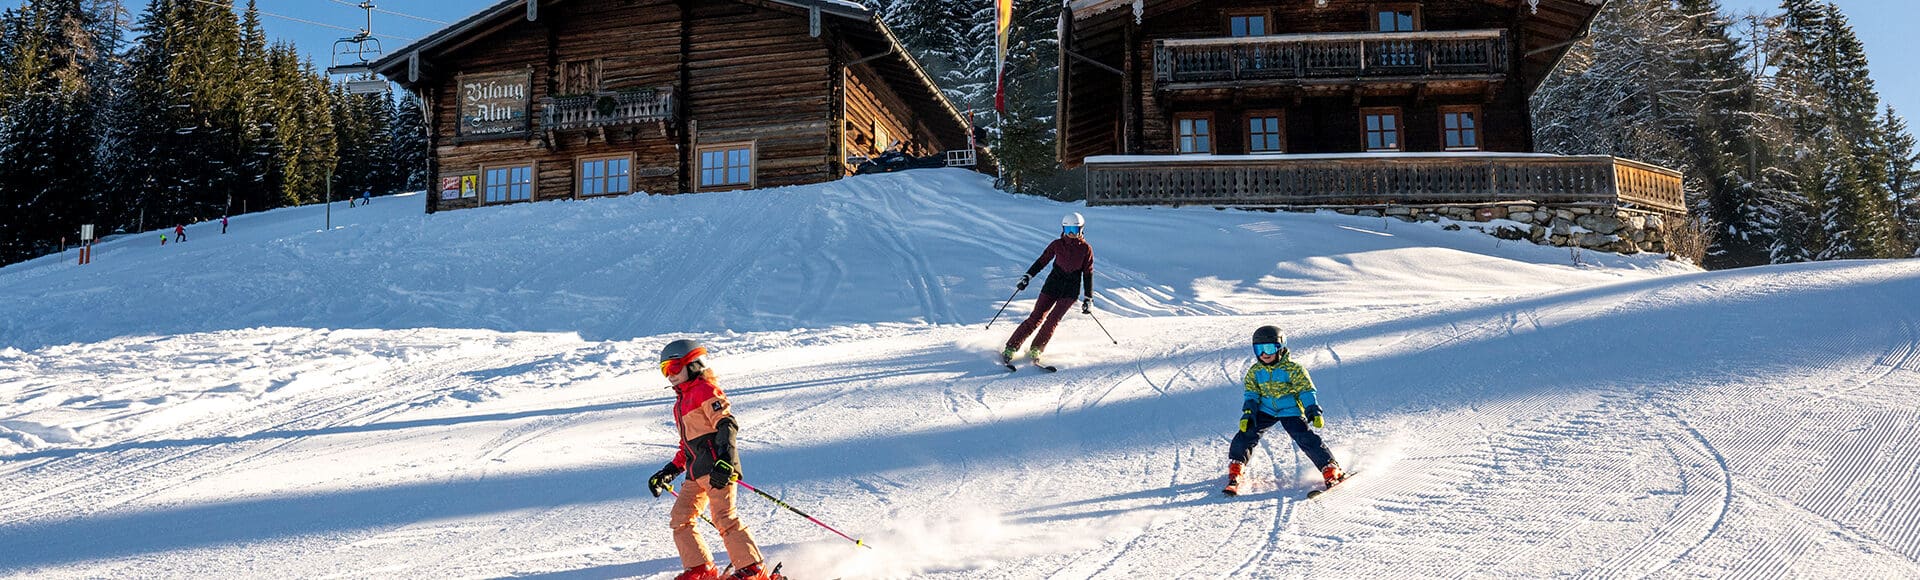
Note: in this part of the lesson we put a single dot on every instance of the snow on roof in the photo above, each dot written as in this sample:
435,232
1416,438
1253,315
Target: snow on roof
1086,8
1209,158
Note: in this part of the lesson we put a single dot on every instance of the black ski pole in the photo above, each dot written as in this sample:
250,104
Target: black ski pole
1103,327
802,514
1003,308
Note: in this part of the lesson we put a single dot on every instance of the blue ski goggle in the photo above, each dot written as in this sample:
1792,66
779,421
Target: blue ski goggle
1267,349
1069,229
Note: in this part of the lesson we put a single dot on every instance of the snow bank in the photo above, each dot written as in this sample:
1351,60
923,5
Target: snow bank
924,247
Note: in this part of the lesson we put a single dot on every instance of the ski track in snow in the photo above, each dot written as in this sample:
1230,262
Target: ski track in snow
1507,414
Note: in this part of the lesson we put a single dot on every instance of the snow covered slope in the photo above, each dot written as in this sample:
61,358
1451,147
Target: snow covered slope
472,394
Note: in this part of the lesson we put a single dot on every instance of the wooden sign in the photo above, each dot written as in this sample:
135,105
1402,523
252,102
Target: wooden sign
494,104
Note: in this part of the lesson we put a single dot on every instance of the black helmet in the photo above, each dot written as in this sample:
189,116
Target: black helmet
679,349
1268,335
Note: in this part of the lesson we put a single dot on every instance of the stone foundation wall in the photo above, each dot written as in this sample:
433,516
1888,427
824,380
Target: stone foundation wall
1606,229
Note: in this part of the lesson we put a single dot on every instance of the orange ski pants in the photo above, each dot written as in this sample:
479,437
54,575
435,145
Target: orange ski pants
697,494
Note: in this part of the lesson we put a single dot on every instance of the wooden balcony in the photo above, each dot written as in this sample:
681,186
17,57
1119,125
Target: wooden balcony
1359,179
607,108
1301,59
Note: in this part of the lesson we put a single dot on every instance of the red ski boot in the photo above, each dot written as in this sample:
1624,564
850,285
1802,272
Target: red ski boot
1233,479
751,572
704,572
1334,474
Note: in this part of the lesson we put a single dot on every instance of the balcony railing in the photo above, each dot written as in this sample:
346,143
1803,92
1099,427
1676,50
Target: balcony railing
607,108
1307,57
1380,179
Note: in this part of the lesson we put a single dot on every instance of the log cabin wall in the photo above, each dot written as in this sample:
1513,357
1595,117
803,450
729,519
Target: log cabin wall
758,77
1322,119
869,104
754,76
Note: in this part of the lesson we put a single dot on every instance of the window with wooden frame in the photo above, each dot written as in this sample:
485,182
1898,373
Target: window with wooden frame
1266,132
1194,132
605,176
1460,127
1396,18
1242,23
882,142
507,183
727,166
1382,127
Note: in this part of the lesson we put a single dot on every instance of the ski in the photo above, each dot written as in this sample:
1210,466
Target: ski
1330,486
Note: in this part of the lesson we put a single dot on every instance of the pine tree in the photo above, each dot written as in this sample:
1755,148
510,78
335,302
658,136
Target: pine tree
1903,174
407,147
49,126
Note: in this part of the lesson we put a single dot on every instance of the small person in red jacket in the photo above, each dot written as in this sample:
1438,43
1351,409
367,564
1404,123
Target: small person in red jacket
1072,262
707,454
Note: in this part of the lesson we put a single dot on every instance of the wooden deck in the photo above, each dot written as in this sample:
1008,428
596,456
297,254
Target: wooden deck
1342,58
1382,179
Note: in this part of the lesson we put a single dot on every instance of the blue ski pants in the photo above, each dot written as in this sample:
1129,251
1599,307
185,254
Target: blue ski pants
1303,436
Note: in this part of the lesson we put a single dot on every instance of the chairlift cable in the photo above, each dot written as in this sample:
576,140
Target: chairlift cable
385,11
303,21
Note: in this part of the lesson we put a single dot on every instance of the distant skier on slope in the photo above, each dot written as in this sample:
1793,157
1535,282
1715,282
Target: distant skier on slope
179,233
1278,391
1072,262
705,422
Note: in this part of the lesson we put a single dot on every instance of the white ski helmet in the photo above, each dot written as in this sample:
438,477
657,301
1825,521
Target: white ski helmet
1073,219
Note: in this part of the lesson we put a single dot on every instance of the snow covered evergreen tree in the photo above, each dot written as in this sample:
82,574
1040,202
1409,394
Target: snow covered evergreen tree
407,147
48,131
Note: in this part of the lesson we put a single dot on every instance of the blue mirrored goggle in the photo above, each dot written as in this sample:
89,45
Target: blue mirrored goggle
1266,348
1069,229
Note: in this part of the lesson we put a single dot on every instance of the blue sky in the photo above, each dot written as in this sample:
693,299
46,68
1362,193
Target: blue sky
1886,26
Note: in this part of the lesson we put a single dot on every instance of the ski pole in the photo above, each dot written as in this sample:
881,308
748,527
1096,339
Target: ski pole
802,514
1103,327
1003,308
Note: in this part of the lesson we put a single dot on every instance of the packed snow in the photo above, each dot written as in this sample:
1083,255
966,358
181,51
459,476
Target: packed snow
474,394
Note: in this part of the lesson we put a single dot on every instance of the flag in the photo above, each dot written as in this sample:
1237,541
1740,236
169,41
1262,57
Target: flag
1002,28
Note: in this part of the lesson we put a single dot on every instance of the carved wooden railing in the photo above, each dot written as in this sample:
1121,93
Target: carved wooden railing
1325,56
1378,179
607,108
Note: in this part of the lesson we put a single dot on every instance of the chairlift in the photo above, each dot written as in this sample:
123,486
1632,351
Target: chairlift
353,57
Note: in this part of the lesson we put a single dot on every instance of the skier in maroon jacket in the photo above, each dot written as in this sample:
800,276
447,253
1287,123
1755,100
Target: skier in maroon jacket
1072,266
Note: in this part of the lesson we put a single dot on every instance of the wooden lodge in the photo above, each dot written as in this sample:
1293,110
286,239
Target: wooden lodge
1328,103
554,99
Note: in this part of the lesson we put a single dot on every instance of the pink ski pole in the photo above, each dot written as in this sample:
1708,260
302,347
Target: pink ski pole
802,514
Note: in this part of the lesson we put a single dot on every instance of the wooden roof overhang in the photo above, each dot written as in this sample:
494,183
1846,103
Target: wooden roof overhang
413,64
1093,35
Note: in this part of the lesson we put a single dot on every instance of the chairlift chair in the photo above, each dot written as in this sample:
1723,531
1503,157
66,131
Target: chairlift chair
358,51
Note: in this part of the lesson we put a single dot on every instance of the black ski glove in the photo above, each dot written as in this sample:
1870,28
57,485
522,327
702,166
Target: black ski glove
1022,286
1313,416
663,480
1087,306
723,474
725,458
